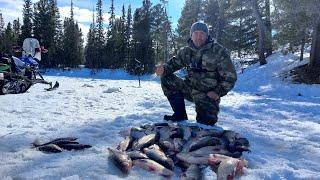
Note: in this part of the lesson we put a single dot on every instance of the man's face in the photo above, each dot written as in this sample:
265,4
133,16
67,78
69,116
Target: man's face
199,38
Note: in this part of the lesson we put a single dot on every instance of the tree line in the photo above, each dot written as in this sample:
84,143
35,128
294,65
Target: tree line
133,41
137,40
259,27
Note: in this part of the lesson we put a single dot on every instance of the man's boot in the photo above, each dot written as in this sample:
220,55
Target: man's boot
178,106
207,119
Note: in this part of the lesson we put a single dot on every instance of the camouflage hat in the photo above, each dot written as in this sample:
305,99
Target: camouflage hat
199,26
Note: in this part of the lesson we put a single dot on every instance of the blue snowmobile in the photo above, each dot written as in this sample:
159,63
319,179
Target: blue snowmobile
17,75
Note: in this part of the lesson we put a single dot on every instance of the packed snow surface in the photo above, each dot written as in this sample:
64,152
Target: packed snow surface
280,119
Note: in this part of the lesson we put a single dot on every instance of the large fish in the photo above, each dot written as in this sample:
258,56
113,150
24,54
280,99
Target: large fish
234,142
146,126
227,168
178,144
187,144
210,132
165,133
162,124
204,141
56,145
182,164
195,130
155,153
186,131
146,141
241,144
74,146
166,145
201,155
193,158
176,133
58,141
125,144
137,133
153,166
150,130
194,172
137,155
49,148
133,132
120,160
215,150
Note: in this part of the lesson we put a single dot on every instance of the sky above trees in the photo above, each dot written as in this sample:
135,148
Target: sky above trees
12,9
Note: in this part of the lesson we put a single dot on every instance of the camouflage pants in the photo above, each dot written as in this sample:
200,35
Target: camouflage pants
207,109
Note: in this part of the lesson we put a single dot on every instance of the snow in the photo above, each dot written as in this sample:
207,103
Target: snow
282,127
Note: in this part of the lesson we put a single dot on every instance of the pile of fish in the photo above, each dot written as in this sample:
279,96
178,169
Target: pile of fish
59,144
168,148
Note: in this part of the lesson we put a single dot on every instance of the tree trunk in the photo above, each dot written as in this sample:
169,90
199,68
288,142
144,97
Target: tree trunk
262,32
303,42
269,28
315,47
291,48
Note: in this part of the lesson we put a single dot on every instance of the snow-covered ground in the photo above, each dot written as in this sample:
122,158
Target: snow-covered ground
281,120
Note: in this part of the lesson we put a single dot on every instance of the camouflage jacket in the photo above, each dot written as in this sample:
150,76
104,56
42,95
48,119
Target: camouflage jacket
209,68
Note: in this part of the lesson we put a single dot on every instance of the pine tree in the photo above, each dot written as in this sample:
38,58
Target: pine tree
2,29
240,34
110,51
142,42
79,45
55,53
16,31
112,15
8,39
135,43
72,42
118,40
167,33
287,14
161,32
191,13
156,31
48,30
40,22
100,39
1,23
26,29
212,16
268,28
306,12
90,51
122,49
167,36
43,28
128,36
